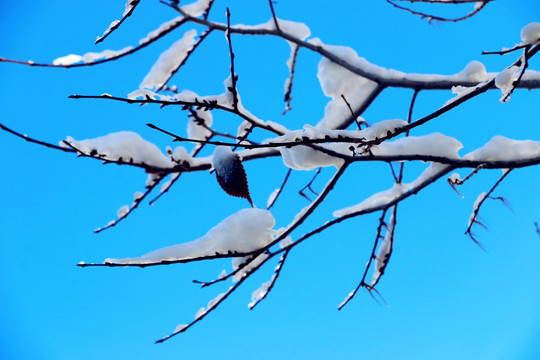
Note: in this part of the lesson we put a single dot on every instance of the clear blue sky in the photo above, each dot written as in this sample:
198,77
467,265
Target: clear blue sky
447,298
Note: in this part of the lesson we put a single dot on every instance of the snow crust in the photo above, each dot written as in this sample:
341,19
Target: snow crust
125,145
244,231
169,61
530,33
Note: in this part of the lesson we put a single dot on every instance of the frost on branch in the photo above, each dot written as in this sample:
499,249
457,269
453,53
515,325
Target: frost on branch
242,232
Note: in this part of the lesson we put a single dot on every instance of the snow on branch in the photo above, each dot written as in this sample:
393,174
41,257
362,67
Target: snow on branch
339,137
129,8
243,232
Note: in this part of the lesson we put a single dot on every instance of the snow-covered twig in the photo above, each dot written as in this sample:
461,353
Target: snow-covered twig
130,7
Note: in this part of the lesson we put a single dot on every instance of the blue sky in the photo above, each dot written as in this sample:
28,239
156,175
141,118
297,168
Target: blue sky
447,298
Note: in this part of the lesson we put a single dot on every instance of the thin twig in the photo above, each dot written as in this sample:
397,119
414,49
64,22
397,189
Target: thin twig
362,282
280,190
474,216
234,77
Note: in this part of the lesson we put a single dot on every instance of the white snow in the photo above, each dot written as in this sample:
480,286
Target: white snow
285,242
474,71
306,158
261,292
222,159
90,57
196,8
161,29
375,200
129,5
336,81
530,33
385,197
181,155
180,328
385,250
126,145
109,29
68,59
222,274
435,144
123,211
476,205
194,129
200,312
169,61
296,29
272,197
505,80
246,270
500,148
244,231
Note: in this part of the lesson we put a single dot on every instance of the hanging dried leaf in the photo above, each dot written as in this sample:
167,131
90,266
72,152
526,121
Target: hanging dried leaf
230,173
